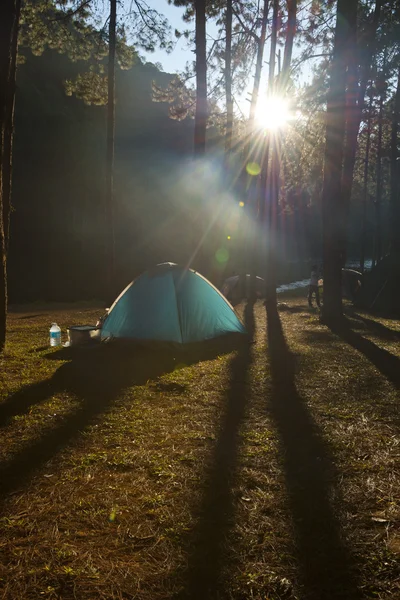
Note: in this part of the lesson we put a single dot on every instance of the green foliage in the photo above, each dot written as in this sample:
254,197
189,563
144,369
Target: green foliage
181,99
69,28
91,87
43,25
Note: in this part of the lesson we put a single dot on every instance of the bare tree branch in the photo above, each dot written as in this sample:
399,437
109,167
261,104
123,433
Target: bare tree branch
245,28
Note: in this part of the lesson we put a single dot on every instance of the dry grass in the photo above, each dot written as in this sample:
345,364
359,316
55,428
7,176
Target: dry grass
269,473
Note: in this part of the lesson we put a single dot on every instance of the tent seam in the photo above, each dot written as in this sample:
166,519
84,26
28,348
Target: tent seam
177,308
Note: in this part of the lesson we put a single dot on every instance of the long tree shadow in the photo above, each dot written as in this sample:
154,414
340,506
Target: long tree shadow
375,327
325,564
388,364
96,378
216,514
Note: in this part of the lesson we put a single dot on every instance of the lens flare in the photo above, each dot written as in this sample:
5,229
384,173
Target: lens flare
253,168
222,255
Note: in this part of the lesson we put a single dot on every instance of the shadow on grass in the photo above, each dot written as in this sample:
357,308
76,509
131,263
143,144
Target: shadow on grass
208,558
384,361
96,378
94,375
325,565
32,316
386,333
104,370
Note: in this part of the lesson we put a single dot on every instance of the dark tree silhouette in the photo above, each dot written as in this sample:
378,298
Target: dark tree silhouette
266,208
9,128
395,174
110,245
228,77
333,205
381,85
200,120
365,187
9,22
358,75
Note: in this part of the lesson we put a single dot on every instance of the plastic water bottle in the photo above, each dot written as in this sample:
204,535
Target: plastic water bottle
55,335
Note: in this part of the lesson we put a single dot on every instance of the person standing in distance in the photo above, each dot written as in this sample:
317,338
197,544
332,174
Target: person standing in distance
313,287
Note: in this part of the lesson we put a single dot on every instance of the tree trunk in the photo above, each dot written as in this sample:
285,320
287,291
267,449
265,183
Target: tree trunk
395,175
9,21
200,119
268,180
110,236
365,190
249,147
257,74
291,29
266,150
278,142
356,101
9,129
333,207
274,188
228,78
378,202
272,54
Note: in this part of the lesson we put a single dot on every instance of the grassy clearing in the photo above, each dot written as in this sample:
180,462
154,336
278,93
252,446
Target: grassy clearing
269,473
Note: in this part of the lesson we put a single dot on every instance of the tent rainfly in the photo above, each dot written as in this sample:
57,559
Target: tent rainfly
171,304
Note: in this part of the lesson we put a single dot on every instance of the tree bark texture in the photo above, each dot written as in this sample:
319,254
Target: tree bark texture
200,119
110,209
333,207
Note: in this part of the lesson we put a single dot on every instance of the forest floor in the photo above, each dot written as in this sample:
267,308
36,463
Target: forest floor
269,473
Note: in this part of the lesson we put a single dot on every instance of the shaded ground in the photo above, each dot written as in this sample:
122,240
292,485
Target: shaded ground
271,472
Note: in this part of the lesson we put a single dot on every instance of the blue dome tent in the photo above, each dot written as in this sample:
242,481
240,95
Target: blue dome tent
171,304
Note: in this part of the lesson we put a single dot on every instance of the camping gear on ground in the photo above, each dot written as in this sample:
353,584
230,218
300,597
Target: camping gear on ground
82,334
170,304
231,288
55,335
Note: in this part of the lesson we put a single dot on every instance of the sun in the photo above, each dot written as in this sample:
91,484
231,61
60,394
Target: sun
272,112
